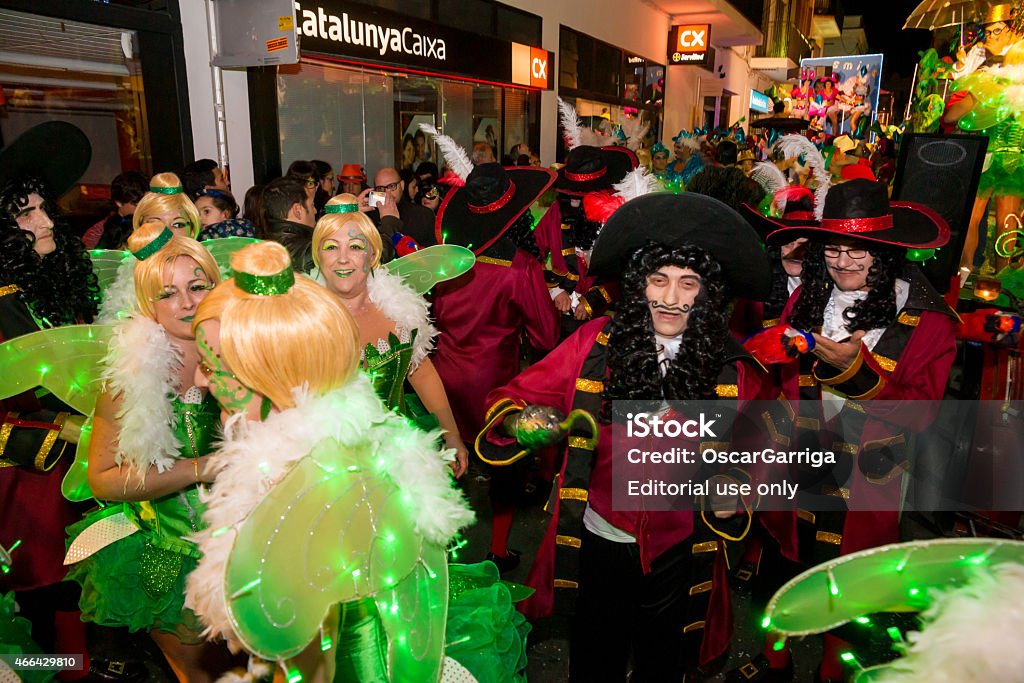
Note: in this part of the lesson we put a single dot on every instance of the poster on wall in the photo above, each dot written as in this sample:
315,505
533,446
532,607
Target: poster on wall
840,94
414,146
487,129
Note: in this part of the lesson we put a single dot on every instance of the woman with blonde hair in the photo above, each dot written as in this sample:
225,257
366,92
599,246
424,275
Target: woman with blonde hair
151,436
328,519
166,204
394,323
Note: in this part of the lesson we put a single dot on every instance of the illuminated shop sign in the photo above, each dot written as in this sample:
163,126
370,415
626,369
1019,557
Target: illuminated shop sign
689,44
360,33
760,102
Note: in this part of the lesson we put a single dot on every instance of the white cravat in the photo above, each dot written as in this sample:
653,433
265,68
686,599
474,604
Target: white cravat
833,327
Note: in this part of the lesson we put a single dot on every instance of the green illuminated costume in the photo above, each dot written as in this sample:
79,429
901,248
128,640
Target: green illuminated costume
997,113
139,581
132,558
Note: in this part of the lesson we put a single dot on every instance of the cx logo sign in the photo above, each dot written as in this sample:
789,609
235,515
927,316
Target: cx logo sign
692,38
532,66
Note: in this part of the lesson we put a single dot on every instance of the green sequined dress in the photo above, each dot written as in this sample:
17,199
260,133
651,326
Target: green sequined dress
138,582
387,365
484,631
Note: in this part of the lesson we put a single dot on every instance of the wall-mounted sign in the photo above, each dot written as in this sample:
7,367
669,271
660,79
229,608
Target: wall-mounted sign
532,66
689,44
760,102
360,33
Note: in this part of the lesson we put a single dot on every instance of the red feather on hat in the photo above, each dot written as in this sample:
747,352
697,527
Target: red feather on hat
451,178
599,206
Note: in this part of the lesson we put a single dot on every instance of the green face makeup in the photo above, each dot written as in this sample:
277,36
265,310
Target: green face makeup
358,244
232,395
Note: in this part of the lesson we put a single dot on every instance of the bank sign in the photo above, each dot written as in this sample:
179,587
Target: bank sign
689,44
359,33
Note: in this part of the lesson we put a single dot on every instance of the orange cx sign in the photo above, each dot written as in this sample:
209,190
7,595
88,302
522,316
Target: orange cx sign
689,43
532,66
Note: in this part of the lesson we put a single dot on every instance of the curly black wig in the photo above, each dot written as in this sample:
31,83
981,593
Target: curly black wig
59,288
778,295
877,309
521,234
584,231
634,372
727,184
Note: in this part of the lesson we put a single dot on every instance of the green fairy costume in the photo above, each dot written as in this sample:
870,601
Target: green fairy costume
998,92
132,558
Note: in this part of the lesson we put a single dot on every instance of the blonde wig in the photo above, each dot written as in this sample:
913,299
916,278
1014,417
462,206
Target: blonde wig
276,343
154,203
332,222
151,272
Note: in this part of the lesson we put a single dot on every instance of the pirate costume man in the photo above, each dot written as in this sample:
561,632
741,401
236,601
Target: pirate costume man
885,343
46,281
566,233
650,584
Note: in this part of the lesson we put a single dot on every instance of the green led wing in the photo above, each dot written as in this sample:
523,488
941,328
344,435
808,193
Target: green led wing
423,269
332,530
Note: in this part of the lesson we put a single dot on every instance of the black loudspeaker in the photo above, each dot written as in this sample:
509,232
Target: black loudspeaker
942,172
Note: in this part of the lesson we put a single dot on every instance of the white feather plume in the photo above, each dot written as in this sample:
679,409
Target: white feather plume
636,183
455,156
404,307
354,417
571,127
793,146
141,365
769,176
971,634
634,130
119,299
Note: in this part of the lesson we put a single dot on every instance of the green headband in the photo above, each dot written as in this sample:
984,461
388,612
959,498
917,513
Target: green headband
177,189
155,245
341,208
266,285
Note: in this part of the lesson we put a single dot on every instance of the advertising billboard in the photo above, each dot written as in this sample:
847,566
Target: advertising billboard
841,93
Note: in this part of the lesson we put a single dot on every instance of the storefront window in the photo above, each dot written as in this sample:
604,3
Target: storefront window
609,85
54,69
344,114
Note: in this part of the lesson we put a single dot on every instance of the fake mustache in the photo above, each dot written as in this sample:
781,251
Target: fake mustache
685,308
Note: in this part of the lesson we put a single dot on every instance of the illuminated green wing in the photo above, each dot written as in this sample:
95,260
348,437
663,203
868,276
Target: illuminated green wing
105,263
423,269
63,360
891,578
222,248
333,531
67,362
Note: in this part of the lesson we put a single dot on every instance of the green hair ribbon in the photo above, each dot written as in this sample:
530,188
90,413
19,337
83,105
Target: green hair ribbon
341,208
177,189
265,285
155,245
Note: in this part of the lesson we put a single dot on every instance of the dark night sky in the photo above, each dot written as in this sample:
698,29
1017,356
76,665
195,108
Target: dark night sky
885,33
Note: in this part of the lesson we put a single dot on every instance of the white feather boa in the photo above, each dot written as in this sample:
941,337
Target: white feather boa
141,364
404,307
352,415
971,634
119,299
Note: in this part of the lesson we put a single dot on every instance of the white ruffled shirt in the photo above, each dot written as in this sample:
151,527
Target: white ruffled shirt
833,327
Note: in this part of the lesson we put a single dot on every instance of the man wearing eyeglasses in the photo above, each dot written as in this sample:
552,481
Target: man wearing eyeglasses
396,214
884,346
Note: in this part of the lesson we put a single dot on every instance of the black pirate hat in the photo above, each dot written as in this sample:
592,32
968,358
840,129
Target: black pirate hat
589,169
476,214
860,209
56,152
686,218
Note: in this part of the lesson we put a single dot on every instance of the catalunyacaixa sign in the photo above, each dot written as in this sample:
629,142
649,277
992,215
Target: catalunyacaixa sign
368,34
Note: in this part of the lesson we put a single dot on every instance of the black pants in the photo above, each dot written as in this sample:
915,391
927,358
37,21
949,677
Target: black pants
622,612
